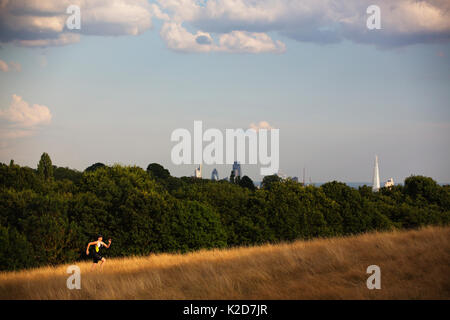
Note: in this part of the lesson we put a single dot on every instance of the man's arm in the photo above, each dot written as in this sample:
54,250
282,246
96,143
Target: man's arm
107,245
89,244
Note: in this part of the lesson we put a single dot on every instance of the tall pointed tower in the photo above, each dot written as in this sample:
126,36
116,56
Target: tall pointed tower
215,175
198,171
376,176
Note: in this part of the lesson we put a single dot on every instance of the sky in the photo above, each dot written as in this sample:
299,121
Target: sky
339,93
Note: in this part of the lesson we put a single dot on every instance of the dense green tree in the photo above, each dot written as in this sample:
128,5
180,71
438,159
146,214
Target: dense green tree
269,180
419,186
95,166
19,178
49,221
192,225
61,173
15,251
45,167
158,171
246,182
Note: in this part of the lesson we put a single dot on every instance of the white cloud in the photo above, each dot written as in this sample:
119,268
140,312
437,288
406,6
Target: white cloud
157,12
61,40
20,114
114,17
228,25
21,120
5,67
321,21
42,23
261,125
179,39
253,42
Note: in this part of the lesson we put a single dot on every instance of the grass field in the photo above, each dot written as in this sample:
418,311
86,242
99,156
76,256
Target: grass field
414,265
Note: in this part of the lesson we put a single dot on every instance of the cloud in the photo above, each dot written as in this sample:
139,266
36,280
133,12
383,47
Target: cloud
403,22
156,12
5,67
43,23
20,113
261,125
179,39
61,40
233,26
253,42
21,120
115,17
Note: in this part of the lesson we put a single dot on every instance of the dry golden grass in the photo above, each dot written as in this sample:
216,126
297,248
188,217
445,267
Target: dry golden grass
414,265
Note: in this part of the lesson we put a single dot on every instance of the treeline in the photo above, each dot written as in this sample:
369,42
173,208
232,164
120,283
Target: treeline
48,214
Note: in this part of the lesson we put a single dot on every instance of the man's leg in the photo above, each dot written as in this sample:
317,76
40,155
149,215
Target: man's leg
93,266
102,263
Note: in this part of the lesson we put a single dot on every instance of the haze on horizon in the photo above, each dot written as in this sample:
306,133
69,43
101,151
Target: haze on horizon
114,91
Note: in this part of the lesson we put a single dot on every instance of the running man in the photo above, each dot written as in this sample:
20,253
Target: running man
97,256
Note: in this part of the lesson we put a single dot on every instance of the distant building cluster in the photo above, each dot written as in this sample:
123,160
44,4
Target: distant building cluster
376,178
236,169
215,175
237,172
389,183
198,172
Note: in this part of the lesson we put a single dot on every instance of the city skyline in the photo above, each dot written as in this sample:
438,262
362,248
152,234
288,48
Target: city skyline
214,175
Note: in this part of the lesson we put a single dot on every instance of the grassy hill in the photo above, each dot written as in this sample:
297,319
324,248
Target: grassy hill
414,265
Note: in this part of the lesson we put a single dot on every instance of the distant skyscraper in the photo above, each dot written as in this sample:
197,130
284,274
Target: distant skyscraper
237,169
376,176
389,183
215,175
198,171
